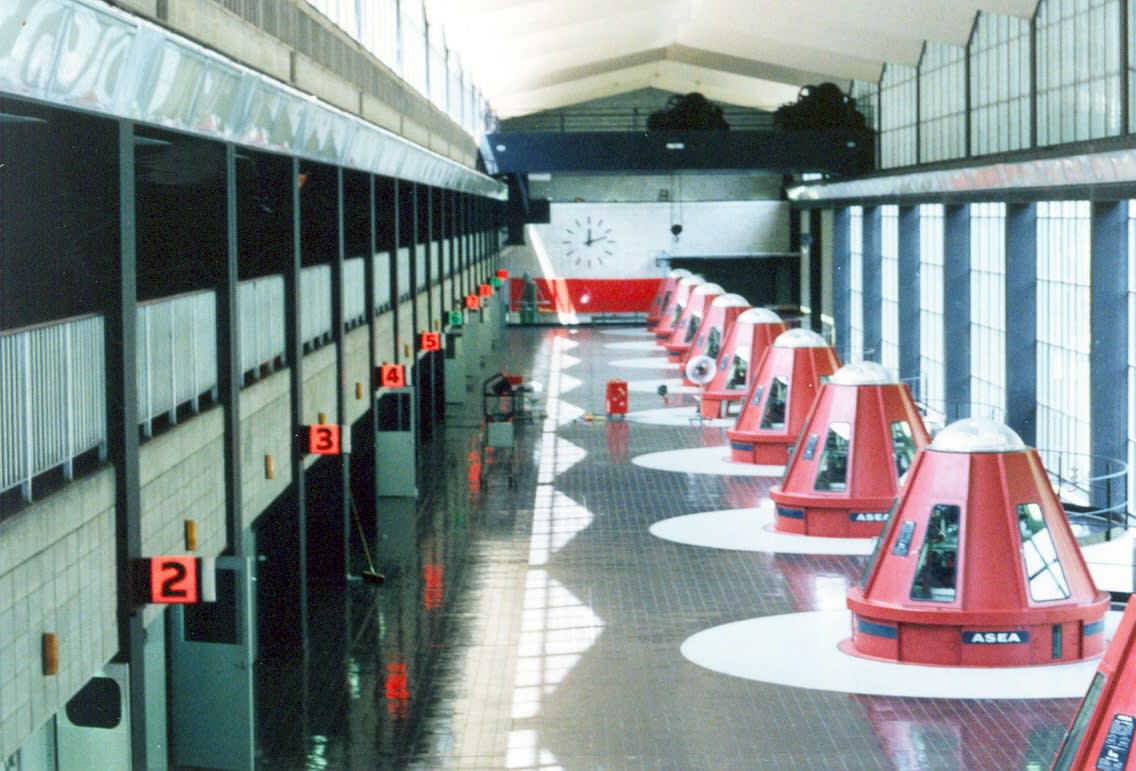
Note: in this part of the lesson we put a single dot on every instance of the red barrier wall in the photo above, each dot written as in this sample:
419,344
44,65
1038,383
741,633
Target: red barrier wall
589,295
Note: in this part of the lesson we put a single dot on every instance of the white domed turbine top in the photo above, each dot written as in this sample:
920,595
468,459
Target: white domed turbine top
729,301
977,435
705,289
799,338
759,316
863,373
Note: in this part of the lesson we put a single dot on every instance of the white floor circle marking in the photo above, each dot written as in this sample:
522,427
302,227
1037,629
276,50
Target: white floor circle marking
635,345
704,460
647,362
800,650
628,332
678,416
651,386
752,530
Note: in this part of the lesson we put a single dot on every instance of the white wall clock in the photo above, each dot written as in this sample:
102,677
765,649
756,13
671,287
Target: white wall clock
588,241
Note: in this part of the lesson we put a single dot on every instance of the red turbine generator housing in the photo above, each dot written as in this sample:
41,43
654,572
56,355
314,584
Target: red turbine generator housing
682,336
674,307
977,565
1100,735
752,332
663,296
780,397
853,453
721,315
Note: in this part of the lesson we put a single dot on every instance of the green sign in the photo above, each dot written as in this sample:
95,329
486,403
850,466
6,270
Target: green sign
456,319
496,282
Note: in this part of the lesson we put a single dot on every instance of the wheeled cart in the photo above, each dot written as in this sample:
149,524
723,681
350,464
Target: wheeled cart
501,401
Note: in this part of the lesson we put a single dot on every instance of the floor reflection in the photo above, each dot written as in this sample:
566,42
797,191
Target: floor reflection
349,693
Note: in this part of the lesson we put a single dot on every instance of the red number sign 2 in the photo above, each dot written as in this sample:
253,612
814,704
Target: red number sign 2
173,580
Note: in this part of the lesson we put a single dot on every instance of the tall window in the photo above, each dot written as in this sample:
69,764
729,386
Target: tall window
936,572
412,45
1000,84
454,101
1131,352
379,30
942,102
932,355
1063,327
1078,70
436,71
988,310
396,32
774,417
1044,574
832,469
903,449
899,116
889,287
856,283
714,342
867,96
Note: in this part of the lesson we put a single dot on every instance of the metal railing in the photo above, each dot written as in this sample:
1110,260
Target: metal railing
177,355
354,294
260,324
315,305
1092,488
52,399
382,282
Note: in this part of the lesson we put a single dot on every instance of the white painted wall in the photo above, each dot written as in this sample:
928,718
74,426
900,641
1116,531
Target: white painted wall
634,235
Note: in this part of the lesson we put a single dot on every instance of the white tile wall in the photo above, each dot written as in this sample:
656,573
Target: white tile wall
57,574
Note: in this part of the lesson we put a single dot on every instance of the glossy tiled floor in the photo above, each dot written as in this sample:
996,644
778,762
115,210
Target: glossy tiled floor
539,626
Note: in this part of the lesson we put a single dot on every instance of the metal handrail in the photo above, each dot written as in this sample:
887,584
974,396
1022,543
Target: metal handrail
176,355
52,398
1092,487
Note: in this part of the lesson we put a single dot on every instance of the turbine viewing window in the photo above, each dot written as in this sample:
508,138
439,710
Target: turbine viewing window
692,328
832,471
677,315
903,448
737,373
757,391
1072,741
713,344
1043,570
938,559
774,416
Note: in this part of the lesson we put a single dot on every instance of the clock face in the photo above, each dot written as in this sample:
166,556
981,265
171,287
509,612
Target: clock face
588,242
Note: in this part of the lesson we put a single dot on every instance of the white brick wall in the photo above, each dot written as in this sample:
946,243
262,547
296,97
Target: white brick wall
182,476
265,417
355,371
57,574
